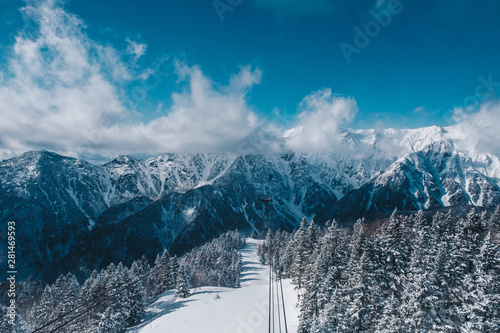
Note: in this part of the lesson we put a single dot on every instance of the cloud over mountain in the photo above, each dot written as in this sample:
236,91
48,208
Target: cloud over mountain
63,91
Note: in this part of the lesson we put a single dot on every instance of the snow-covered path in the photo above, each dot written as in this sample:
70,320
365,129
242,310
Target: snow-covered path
240,310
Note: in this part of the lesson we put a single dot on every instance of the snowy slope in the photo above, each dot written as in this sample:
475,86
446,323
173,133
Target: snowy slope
241,310
430,178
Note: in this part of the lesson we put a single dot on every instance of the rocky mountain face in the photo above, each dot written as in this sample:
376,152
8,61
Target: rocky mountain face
73,215
432,178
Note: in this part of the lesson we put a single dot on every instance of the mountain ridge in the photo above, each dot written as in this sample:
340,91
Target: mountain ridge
176,201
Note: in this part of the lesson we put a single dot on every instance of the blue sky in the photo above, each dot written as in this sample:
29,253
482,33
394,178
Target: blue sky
260,58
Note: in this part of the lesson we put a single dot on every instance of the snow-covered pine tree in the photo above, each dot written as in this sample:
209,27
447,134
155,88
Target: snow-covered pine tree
421,296
465,246
162,273
480,306
494,223
110,321
300,251
357,297
115,277
28,293
422,300
43,312
182,286
330,316
286,255
443,227
309,307
67,288
92,289
331,260
174,269
396,255
136,295
311,239
391,321
235,269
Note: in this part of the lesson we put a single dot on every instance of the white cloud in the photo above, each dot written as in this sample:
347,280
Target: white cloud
479,129
419,110
57,88
202,118
246,78
62,92
136,49
321,121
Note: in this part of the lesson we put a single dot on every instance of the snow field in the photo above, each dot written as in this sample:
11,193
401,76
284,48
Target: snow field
223,310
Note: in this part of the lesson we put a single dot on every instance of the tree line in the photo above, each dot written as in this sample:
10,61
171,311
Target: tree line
114,298
412,274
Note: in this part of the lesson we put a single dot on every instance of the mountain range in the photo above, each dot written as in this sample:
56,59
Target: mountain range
74,215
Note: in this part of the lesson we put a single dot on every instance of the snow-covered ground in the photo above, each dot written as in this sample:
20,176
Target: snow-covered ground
223,310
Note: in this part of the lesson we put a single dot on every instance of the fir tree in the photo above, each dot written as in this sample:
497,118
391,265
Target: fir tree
391,321
110,321
301,251
358,312
182,286
396,255
174,269
480,306
136,295
494,222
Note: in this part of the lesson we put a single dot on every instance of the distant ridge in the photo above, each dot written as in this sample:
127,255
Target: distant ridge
74,214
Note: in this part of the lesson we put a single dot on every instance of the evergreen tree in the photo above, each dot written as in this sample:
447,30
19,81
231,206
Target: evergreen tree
480,306
330,262
494,222
460,267
162,273
391,321
422,293
301,251
136,295
174,269
333,313
309,307
110,321
311,240
396,255
44,310
182,286
443,227
92,289
358,312
6,320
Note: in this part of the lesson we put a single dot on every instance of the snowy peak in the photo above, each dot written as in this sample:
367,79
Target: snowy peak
432,178
157,176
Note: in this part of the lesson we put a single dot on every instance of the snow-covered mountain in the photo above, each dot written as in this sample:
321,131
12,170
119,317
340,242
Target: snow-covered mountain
71,213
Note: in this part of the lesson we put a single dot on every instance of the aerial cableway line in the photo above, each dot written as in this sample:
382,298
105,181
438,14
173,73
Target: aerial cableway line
274,280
